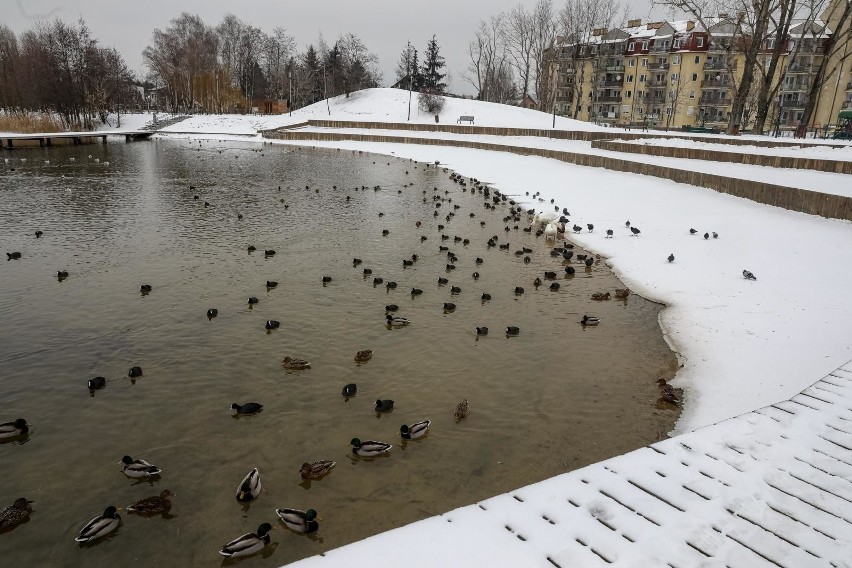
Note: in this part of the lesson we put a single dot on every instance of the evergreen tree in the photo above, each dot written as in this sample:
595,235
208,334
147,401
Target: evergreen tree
433,79
408,66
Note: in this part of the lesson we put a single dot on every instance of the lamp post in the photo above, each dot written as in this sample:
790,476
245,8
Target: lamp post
408,57
778,123
290,101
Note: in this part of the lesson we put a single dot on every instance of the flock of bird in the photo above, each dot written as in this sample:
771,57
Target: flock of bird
550,225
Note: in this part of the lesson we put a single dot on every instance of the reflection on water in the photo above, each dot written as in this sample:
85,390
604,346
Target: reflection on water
554,398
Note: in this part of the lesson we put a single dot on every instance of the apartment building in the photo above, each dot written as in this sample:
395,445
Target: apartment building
676,73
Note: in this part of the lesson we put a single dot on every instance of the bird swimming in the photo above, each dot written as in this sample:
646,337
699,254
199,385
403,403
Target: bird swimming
369,448
155,505
248,543
15,514
250,487
363,356
414,431
385,405
590,320
247,408
139,468
299,521
397,321
513,330
100,526
349,390
317,469
461,410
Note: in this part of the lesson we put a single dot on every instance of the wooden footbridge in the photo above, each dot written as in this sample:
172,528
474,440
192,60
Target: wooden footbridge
47,139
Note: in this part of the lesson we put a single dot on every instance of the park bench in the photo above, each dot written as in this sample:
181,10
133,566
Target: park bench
465,118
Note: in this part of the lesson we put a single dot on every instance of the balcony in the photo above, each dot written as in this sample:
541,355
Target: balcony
609,99
720,65
610,83
660,49
849,86
658,65
715,103
793,105
798,68
654,84
614,68
795,88
714,84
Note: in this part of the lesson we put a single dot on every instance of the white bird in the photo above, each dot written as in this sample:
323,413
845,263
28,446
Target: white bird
550,231
544,218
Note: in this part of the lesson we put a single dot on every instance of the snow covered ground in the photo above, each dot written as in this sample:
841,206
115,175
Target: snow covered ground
744,344
814,151
825,182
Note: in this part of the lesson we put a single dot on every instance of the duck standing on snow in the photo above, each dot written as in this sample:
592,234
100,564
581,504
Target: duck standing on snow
248,543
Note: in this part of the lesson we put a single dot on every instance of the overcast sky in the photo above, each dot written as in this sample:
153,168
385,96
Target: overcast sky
384,25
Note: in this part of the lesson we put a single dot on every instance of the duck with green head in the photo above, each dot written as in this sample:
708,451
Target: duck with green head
299,521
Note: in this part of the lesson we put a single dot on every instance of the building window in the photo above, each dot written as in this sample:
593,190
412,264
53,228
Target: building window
629,94
675,59
695,76
676,43
631,46
770,43
631,63
674,77
691,94
630,78
699,43
641,78
645,45
644,62
689,111
697,59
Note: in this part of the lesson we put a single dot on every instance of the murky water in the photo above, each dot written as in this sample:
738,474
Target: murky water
550,400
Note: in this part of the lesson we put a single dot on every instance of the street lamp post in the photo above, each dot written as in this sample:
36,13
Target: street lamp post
290,101
409,86
778,123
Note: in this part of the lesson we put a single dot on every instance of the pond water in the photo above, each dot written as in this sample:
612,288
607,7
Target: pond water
556,397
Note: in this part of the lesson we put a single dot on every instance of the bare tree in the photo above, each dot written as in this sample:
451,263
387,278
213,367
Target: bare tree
488,70
579,20
839,15
544,26
519,37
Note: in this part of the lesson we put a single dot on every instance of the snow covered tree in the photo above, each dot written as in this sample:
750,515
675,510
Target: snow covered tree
433,79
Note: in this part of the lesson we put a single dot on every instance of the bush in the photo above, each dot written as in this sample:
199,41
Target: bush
29,123
430,102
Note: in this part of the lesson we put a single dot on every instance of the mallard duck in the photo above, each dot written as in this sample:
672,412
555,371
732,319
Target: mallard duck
622,293
248,544
363,356
153,505
415,430
299,521
600,296
383,405
590,320
134,372
397,321
100,526
670,393
247,408
295,364
13,429
16,514
139,468
317,469
250,487
462,409
350,390
370,448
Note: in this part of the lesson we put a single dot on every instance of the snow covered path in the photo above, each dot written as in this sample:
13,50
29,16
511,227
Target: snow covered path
767,488
824,182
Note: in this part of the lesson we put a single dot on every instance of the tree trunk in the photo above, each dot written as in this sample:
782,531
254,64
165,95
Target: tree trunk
765,96
819,78
761,17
